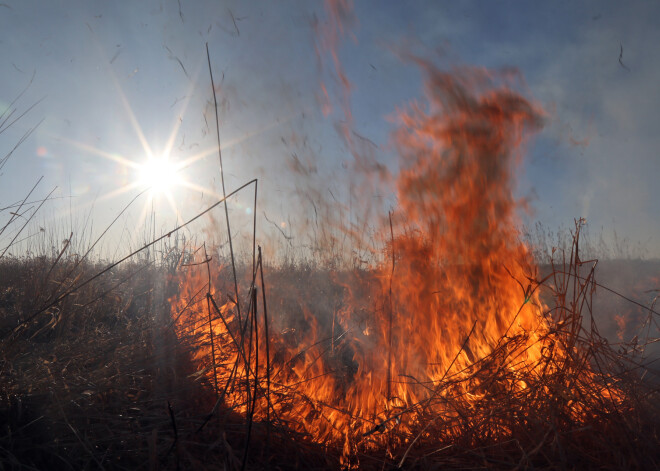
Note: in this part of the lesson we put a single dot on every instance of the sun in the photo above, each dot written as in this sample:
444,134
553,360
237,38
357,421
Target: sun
159,174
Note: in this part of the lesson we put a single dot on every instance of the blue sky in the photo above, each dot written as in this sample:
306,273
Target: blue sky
92,61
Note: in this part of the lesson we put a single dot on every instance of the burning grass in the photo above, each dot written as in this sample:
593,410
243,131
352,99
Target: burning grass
578,404
445,350
113,378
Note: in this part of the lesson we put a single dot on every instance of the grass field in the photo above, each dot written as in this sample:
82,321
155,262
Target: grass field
103,379
445,347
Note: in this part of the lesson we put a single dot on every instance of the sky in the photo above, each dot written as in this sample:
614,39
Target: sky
109,83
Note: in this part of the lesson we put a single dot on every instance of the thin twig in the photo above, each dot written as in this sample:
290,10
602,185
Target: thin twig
208,305
222,179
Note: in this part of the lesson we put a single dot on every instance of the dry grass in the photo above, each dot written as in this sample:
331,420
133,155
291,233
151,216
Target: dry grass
94,375
101,380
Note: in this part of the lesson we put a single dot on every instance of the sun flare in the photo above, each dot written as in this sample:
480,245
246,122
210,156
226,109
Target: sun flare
159,174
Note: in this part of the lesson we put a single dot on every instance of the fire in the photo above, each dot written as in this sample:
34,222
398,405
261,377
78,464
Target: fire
448,322
459,261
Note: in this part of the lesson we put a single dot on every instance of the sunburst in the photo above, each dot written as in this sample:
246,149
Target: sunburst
160,173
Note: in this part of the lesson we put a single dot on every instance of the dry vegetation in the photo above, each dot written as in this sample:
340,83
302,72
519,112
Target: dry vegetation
133,366
100,380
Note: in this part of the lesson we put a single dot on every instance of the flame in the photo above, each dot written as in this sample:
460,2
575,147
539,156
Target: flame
450,314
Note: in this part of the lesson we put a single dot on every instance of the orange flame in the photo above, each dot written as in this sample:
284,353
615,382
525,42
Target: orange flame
422,331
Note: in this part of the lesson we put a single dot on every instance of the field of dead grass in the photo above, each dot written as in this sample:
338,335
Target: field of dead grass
100,380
